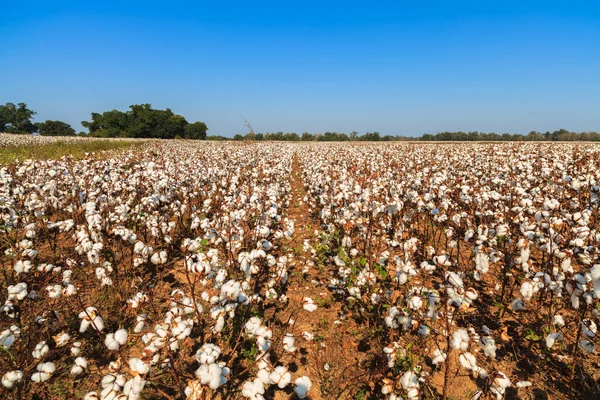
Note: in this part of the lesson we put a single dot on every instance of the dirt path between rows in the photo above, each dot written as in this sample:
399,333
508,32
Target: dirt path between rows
331,358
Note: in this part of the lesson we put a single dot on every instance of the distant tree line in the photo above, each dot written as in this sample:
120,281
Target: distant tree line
143,121
323,137
561,135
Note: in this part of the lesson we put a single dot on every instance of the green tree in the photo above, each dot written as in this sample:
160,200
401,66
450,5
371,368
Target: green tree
55,128
94,125
16,119
307,137
196,130
175,126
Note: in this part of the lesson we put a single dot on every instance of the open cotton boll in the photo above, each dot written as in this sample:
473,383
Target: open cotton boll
308,304
133,387
90,317
253,389
552,338
44,372
438,357
213,375
10,378
194,390
139,366
76,348
558,321
523,384
121,336
527,290
415,302
302,386
454,279
288,343
499,385
468,361
110,342
460,340
80,364
41,349
488,344
208,353
18,291
280,376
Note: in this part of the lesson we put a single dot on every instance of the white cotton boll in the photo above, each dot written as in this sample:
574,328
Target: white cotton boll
595,275
308,336
288,343
41,349
22,267
468,361
138,366
213,375
302,386
80,364
18,291
208,353
194,390
523,384
552,338
70,290
44,372
141,323
308,304
121,336
54,292
11,377
61,339
499,384
375,298
438,357
558,321
454,279
76,348
460,340
111,343
527,291
415,302
280,377
253,389
401,277
488,345
90,317
133,387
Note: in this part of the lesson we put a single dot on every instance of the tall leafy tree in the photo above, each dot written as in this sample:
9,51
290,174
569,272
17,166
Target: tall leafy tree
196,130
55,128
143,121
16,119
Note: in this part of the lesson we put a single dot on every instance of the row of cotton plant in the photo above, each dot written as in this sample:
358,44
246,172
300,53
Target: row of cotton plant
138,273
417,237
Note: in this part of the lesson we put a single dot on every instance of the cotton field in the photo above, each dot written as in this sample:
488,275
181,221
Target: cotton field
205,270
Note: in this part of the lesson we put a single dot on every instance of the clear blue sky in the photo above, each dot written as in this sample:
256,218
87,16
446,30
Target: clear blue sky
395,67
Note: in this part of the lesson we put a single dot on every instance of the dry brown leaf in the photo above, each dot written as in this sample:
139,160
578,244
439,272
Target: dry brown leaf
504,335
